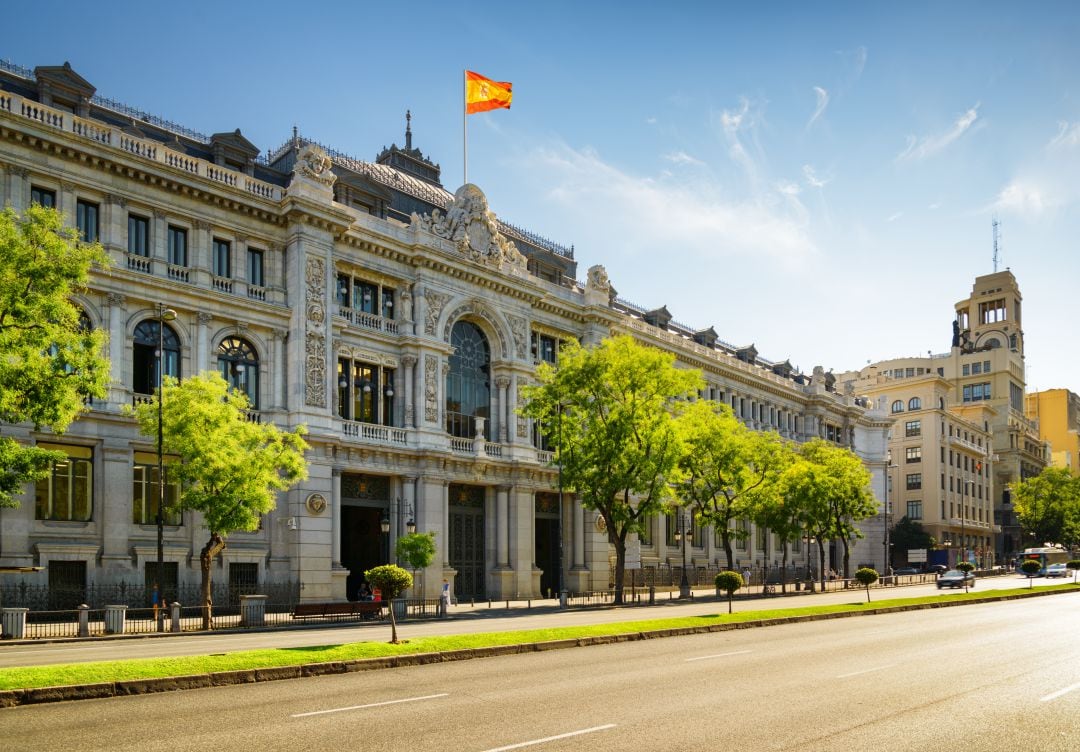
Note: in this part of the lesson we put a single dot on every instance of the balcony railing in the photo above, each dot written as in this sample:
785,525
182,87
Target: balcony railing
115,138
374,432
368,320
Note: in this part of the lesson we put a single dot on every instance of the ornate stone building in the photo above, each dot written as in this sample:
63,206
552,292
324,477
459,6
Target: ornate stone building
394,319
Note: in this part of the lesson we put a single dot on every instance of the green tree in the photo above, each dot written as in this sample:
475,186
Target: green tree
907,534
1048,505
866,576
418,549
729,582
837,495
230,468
1074,565
1031,567
727,469
392,581
783,509
965,567
610,412
50,364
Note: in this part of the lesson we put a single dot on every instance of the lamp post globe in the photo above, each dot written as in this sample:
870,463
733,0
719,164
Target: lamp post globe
163,314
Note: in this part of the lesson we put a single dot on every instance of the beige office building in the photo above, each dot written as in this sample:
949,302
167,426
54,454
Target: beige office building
1057,414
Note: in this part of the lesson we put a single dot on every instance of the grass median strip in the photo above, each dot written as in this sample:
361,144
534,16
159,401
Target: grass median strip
32,677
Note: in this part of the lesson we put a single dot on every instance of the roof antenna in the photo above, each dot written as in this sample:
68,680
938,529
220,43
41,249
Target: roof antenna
408,130
995,225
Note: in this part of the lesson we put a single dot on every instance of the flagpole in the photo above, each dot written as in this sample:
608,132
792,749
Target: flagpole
465,121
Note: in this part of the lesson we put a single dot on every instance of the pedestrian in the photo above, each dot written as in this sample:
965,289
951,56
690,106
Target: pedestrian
746,577
365,592
445,596
155,599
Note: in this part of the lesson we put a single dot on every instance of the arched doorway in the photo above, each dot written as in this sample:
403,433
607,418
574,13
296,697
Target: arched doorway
468,382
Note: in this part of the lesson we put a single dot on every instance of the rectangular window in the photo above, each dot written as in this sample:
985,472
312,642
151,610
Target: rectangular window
762,536
255,267
342,293
544,348
387,303
909,372
913,428
145,491
913,454
86,219
914,510
986,366
365,296
67,492
976,369
914,481
177,246
744,537
43,197
222,260
138,235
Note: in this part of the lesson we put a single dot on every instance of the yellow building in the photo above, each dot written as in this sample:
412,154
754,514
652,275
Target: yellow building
1057,413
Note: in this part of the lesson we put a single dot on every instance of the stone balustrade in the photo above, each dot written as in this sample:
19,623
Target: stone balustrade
153,151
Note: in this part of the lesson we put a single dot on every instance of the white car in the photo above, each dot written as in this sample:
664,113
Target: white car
1057,570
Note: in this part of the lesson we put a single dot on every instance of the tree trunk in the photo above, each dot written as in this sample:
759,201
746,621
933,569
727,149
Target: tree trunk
726,537
393,623
213,547
821,560
620,566
783,572
847,558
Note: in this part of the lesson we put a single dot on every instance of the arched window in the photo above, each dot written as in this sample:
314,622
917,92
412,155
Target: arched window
468,384
239,365
914,404
145,343
992,343
898,406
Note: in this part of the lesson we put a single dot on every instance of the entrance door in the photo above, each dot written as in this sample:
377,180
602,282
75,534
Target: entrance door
363,545
547,554
467,551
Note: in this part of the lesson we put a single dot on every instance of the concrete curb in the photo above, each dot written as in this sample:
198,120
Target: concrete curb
14,697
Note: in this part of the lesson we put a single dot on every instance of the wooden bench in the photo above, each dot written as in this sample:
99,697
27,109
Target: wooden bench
363,609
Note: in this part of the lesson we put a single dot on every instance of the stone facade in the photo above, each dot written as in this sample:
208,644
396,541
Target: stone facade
396,320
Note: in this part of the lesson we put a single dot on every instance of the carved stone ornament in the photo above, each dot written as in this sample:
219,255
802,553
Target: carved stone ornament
598,279
473,229
431,399
315,359
522,421
435,303
316,503
313,163
315,280
519,327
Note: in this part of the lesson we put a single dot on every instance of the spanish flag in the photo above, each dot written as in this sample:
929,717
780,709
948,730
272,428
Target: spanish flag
483,94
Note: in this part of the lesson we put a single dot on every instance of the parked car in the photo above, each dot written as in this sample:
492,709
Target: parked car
954,578
1057,570
936,568
906,570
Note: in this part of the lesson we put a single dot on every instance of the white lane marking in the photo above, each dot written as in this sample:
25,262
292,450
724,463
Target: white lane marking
369,705
865,671
1060,692
719,655
567,735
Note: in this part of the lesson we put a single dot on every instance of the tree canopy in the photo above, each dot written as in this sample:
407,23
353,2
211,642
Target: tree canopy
50,362
610,412
1048,507
230,468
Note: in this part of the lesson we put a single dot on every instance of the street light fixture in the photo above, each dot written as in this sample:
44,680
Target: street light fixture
163,314
810,541
885,511
969,486
683,532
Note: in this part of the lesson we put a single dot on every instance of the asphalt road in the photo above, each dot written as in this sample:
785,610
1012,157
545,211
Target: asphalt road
464,619
992,677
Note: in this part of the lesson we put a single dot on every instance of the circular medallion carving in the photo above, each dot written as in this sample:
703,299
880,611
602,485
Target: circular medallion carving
601,524
316,503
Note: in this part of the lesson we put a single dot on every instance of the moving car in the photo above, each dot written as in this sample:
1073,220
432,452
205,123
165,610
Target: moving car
936,568
954,578
1057,570
906,570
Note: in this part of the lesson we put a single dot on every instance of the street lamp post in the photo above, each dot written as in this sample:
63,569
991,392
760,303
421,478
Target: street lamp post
560,584
885,512
969,486
384,522
810,541
163,314
683,531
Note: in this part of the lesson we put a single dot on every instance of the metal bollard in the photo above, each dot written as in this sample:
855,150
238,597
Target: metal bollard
652,595
174,608
84,620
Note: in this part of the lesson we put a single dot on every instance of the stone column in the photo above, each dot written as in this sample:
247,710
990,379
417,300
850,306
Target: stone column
408,364
446,524
65,202
512,419
502,529
159,238
526,582
202,342
118,394
277,367
114,509
335,527
502,383
113,222
200,254
578,521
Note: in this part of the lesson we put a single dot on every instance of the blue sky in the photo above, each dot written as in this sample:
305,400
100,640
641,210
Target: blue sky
781,171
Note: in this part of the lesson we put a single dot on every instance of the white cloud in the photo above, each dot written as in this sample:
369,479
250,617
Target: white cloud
1068,136
812,178
732,122
686,220
934,206
650,121
1022,197
895,216
918,149
860,60
682,158
822,103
